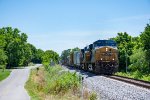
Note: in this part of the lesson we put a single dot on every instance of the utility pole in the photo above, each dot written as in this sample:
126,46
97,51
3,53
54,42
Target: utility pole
82,78
126,55
126,61
9,57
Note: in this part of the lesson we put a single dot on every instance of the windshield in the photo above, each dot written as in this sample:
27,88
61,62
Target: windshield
104,43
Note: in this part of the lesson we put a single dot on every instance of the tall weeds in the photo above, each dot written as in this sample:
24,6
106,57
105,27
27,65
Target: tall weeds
53,83
60,82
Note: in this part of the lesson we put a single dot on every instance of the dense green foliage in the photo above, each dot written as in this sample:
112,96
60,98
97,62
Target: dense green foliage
136,75
138,54
14,46
61,81
53,83
38,56
138,61
3,58
67,52
15,51
145,37
125,46
50,58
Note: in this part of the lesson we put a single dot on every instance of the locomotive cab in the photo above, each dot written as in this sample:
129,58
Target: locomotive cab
106,56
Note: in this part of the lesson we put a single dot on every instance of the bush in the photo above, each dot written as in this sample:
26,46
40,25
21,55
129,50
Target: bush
93,96
55,84
31,64
146,77
3,67
60,81
137,75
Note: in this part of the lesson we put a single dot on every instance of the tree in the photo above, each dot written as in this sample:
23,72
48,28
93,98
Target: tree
50,56
3,59
27,54
15,51
33,52
14,45
125,46
65,54
138,61
38,56
145,39
75,49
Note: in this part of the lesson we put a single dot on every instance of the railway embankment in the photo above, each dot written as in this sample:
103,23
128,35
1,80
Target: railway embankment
111,89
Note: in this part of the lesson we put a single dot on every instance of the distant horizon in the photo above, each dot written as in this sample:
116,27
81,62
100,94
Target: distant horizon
63,24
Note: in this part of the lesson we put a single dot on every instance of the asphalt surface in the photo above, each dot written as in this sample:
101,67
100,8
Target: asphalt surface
12,88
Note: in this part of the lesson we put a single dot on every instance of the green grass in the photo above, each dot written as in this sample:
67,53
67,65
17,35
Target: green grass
52,84
135,75
31,64
4,74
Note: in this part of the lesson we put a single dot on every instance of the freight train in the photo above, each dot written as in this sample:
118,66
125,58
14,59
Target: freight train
100,57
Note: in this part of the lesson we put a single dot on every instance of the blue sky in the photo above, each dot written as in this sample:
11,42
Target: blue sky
63,24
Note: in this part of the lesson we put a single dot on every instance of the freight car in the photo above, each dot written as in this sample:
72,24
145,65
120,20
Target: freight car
100,57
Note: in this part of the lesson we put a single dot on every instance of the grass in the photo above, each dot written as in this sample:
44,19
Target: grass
31,64
52,83
135,75
4,74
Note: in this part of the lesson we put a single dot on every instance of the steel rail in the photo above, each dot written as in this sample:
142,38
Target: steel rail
141,83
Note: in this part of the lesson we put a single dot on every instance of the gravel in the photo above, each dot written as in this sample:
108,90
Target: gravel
110,89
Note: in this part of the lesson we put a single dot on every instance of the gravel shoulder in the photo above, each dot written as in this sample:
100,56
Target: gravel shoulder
12,88
110,89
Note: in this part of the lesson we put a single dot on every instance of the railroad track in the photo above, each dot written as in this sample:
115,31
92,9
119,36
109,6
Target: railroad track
141,83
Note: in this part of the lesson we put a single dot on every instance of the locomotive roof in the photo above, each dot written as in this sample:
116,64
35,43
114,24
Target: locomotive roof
104,41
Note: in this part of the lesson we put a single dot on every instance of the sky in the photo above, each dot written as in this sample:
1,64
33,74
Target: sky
62,24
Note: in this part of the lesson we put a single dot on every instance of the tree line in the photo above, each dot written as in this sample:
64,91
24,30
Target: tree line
16,51
134,52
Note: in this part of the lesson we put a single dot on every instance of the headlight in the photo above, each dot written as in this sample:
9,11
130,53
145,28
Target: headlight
113,59
106,49
101,58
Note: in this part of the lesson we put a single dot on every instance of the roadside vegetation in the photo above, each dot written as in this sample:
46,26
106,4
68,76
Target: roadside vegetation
15,51
135,75
53,83
4,73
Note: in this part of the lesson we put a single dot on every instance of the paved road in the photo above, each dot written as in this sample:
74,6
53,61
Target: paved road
12,88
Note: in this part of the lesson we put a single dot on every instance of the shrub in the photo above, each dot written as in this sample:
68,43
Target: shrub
146,77
93,96
60,81
137,75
